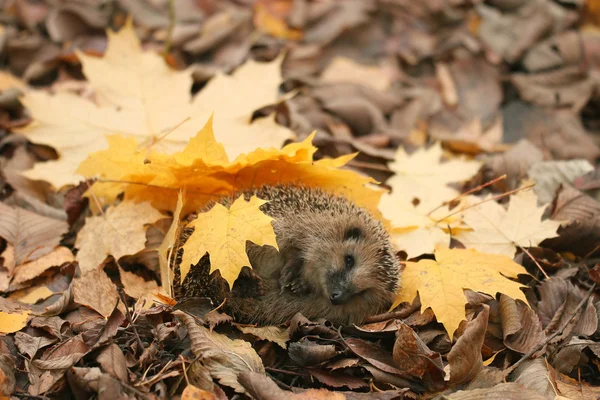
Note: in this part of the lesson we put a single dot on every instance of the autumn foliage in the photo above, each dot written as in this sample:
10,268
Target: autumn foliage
473,140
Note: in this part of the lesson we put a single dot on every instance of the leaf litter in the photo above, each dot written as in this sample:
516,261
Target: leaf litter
431,116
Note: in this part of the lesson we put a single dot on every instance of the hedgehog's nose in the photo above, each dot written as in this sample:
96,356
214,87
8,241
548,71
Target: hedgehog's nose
336,298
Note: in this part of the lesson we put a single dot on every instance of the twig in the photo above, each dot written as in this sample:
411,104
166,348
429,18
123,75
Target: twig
535,261
161,137
475,189
130,320
169,38
559,331
486,200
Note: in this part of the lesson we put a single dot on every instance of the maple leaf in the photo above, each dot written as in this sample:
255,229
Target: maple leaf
417,232
500,231
204,171
423,176
145,99
441,282
119,233
223,234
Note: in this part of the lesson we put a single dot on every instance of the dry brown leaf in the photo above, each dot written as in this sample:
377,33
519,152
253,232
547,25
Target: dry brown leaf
31,234
223,357
582,235
465,358
112,361
521,327
514,164
273,334
30,270
135,286
500,231
96,290
119,232
342,69
31,295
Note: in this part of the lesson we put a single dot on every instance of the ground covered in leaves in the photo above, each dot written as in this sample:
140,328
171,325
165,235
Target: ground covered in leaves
469,128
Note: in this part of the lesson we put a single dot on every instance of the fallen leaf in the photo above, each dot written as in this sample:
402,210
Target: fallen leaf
135,286
342,69
500,231
203,170
465,358
13,322
31,234
167,245
191,392
223,357
268,18
422,176
549,175
96,291
582,234
31,295
134,83
273,334
119,232
223,233
441,283
30,270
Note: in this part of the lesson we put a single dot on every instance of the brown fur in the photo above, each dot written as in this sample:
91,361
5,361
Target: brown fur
314,235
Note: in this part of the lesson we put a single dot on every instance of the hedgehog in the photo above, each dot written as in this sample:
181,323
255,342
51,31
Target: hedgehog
335,261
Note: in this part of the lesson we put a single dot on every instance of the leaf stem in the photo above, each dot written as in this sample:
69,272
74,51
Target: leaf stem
476,189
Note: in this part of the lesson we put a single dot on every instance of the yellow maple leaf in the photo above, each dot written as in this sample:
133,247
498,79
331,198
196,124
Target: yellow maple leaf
441,283
500,231
148,101
121,231
422,176
223,233
204,172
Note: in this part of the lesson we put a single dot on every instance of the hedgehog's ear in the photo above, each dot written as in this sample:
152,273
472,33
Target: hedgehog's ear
353,233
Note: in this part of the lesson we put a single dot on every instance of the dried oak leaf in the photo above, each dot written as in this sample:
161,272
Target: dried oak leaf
521,326
30,270
223,233
119,232
422,176
224,358
31,235
441,283
500,231
205,172
145,99
273,334
413,357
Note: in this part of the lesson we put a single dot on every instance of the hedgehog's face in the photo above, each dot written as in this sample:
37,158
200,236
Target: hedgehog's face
351,262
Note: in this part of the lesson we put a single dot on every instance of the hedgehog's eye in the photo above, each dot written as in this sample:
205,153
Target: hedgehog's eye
352,233
348,261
